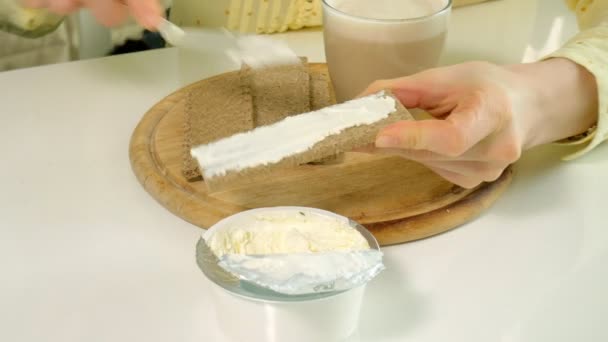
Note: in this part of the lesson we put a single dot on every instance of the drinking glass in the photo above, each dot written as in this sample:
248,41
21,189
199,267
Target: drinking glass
381,39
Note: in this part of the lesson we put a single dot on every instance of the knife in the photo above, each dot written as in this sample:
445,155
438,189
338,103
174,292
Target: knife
256,51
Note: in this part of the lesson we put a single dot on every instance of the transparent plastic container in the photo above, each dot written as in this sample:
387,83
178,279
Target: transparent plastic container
246,312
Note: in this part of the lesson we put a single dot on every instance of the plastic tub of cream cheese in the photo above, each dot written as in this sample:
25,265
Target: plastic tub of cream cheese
306,304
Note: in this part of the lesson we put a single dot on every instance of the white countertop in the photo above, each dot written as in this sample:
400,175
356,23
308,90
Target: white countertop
87,255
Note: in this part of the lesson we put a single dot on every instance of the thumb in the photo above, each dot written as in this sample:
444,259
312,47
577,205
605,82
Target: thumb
147,13
471,121
406,89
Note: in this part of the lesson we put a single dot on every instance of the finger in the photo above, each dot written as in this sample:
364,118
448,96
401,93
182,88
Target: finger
442,110
473,170
410,98
501,150
365,149
64,6
441,167
423,155
454,177
35,3
503,147
438,136
476,117
418,155
467,166
462,172
108,12
147,13
412,91
470,122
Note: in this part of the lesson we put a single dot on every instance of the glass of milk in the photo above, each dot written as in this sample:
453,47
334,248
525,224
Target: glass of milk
381,39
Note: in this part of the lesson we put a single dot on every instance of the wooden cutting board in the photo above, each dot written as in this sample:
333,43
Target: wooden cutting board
396,199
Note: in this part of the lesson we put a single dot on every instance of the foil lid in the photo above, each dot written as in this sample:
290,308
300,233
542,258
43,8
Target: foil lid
305,273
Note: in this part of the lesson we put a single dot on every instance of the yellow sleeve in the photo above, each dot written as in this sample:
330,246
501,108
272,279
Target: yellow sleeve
589,49
589,13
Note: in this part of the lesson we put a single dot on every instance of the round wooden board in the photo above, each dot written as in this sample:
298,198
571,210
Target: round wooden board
396,199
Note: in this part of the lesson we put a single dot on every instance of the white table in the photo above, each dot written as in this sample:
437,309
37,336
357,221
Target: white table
87,255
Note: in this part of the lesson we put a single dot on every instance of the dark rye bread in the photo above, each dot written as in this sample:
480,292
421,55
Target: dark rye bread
201,128
336,144
278,91
321,94
215,109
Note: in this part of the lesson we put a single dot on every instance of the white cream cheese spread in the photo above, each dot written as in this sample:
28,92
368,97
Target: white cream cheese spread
294,250
286,233
295,134
260,52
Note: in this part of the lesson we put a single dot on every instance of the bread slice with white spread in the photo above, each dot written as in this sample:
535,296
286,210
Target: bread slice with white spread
297,139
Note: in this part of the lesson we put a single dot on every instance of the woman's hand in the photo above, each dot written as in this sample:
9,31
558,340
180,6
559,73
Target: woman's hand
486,115
147,13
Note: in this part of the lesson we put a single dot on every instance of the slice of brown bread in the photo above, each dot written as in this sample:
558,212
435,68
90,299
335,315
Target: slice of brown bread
278,91
217,108
321,94
201,127
347,140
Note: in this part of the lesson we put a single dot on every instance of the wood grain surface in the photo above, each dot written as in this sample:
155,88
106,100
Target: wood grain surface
398,200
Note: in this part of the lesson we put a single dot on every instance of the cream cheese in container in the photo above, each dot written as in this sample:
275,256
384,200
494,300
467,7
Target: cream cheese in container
301,278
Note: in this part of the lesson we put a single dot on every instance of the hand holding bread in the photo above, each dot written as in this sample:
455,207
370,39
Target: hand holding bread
485,115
